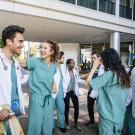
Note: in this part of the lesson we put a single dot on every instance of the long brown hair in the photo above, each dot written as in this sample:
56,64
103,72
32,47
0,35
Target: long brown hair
54,50
111,61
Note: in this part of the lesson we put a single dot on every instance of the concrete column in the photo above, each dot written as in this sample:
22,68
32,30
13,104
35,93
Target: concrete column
133,9
97,5
133,46
75,2
117,8
115,41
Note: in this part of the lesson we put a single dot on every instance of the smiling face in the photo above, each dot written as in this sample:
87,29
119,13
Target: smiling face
71,65
16,44
45,51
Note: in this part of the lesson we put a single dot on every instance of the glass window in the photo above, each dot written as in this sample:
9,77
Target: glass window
69,1
88,3
107,6
126,8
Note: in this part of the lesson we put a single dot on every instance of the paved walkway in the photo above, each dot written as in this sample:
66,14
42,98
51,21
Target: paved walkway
83,118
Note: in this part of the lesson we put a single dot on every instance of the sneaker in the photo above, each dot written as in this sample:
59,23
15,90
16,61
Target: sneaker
90,124
67,127
77,128
63,130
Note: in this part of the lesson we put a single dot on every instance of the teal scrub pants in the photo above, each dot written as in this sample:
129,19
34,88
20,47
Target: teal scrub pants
60,106
109,128
40,121
129,124
8,131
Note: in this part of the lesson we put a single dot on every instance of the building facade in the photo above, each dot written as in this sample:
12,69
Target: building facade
80,26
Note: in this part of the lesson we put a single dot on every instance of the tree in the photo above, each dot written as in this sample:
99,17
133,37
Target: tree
1,44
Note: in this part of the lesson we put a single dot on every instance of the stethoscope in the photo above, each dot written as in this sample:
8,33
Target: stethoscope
5,67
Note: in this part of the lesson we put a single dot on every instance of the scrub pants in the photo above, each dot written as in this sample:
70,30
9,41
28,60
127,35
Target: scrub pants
129,124
75,101
40,115
90,106
8,130
109,128
60,106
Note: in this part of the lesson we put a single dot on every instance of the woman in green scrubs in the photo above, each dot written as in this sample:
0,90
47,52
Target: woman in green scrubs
113,87
42,70
129,125
59,97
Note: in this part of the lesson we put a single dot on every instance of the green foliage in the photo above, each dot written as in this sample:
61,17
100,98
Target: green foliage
1,44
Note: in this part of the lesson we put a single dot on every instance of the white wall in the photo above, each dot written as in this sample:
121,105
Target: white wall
71,51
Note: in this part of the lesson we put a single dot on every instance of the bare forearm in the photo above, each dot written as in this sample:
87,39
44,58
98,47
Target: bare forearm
87,82
84,76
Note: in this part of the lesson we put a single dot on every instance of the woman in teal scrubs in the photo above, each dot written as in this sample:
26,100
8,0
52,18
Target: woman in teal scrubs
42,70
113,87
59,99
129,125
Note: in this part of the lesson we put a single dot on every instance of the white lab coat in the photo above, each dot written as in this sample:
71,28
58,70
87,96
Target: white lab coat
6,84
57,78
66,80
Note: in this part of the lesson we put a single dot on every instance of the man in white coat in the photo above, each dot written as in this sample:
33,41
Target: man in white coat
71,90
10,74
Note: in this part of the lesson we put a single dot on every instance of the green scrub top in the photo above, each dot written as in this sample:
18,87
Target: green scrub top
41,76
111,98
14,93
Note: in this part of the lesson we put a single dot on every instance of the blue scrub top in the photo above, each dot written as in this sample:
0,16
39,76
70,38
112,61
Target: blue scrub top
14,93
41,76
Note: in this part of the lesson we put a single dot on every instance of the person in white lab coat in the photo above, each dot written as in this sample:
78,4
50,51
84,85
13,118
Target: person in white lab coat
10,74
71,90
59,96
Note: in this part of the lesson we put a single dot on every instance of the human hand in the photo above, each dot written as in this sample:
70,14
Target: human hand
4,114
54,87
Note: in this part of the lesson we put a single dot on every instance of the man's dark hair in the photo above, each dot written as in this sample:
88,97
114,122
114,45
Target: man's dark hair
96,52
10,32
68,61
61,53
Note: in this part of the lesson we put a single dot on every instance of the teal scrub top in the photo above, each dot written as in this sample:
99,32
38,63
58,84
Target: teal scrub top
111,98
41,76
14,93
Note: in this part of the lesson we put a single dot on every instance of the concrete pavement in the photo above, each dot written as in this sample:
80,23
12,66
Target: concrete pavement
83,117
